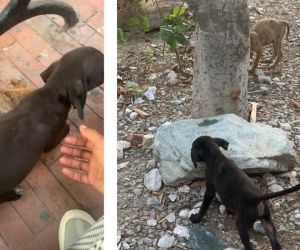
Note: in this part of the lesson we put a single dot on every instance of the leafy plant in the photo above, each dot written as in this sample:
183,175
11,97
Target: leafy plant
172,30
148,56
121,35
141,22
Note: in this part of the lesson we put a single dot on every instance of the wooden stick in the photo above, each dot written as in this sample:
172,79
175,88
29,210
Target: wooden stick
253,112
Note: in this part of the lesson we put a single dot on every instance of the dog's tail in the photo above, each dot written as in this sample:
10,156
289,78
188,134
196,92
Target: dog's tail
288,30
277,194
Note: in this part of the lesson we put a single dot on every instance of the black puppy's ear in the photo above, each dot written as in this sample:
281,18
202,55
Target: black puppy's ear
47,72
197,156
222,143
77,95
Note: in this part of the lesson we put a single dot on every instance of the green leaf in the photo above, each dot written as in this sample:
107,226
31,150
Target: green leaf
180,28
145,24
179,11
133,21
121,35
180,38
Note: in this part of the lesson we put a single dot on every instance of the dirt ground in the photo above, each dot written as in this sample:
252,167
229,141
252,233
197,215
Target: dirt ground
173,103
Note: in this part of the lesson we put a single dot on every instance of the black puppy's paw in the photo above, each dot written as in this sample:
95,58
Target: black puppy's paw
195,218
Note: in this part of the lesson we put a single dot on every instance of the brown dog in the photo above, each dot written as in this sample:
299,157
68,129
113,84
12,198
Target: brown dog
265,32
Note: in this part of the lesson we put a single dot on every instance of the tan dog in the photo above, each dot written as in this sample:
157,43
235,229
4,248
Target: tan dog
265,32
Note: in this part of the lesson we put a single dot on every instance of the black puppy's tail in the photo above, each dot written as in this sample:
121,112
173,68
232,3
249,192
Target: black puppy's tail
277,194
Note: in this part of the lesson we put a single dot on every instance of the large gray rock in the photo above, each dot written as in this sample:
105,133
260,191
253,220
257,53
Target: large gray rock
256,148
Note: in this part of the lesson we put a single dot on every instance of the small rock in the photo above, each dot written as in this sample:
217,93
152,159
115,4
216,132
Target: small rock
184,189
294,181
264,88
280,83
275,206
286,126
172,197
152,222
124,144
151,163
123,165
152,200
152,77
181,231
221,227
222,209
152,180
172,75
148,141
230,248
171,217
297,216
147,241
125,245
166,241
198,204
259,72
276,79
133,115
263,78
184,213
269,178
275,188
257,226
152,129
128,111
194,211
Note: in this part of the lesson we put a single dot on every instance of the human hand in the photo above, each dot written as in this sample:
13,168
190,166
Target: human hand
85,161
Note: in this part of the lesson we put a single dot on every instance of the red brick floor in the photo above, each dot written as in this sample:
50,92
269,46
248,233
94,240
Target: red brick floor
31,223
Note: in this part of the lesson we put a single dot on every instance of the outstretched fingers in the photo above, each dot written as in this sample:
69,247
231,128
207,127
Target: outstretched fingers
75,175
74,163
76,152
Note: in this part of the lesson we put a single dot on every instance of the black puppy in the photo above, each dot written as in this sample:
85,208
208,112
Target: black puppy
84,65
236,190
38,123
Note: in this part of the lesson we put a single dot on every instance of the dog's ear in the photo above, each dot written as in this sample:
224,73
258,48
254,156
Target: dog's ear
47,72
77,95
222,143
197,156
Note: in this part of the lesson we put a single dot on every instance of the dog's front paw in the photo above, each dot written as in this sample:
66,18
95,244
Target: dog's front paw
195,218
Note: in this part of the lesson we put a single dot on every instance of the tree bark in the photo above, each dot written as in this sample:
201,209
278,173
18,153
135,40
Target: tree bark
221,57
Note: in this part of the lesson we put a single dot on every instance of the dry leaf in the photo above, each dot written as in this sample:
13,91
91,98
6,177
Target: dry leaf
141,112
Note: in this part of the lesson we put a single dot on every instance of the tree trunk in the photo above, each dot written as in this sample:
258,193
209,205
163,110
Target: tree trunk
221,57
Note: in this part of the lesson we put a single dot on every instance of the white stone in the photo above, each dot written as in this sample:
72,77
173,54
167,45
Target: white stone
276,79
152,180
263,78
148,141
133,115
275,188
222,209
184,189
152,77
166,241
198,204
286,126
171,217
181,231
184,213
125,245
172,75
194,211
123,165
152,222
255,147
257,226
172,197
128,111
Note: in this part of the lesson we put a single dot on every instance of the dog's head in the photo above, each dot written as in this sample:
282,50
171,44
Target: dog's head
203,145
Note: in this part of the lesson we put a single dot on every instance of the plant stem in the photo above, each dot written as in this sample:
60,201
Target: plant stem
178,59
